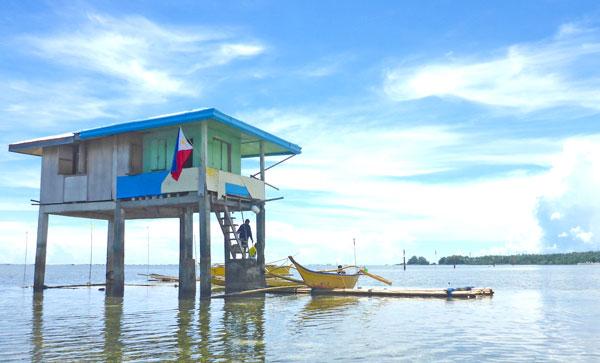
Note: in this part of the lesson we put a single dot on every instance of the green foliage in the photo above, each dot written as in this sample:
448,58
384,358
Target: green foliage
572,258
414,260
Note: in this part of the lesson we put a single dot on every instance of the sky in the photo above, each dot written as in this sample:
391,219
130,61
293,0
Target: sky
436,128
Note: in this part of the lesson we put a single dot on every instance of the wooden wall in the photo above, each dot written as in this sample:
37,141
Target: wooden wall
51,186
104,159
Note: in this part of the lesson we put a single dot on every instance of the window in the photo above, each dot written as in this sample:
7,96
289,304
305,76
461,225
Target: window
223,154
71,159
135,159
158,154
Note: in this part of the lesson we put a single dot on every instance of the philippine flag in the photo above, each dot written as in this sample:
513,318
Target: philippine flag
183,150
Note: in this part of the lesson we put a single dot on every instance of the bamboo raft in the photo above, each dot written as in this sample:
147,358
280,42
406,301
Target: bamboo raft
459,293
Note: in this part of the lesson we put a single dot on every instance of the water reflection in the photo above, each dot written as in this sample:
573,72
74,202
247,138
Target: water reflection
204,327
243,329
184,334
37,326
319,308
113,314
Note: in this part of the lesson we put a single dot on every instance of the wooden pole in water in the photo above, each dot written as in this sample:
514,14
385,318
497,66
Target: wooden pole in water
404,259
40,251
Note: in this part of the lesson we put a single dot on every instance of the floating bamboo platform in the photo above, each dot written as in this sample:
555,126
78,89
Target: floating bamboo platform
458,293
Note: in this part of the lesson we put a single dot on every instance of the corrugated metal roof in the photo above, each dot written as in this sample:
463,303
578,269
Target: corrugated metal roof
283,147
34,146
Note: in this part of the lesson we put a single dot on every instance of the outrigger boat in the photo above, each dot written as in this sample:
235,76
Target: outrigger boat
333,280
325,280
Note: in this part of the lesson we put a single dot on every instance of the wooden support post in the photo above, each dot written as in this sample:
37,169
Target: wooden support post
110,238
187,265
261,218
40,251
204,217
115,279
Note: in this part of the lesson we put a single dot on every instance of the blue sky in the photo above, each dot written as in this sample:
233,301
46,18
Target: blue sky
466,127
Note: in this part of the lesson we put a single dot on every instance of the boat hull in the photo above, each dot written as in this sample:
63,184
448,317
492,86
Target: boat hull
219,270
325,280
271,281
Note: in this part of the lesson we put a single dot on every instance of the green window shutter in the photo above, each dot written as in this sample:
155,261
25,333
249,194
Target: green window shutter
154,154
162,157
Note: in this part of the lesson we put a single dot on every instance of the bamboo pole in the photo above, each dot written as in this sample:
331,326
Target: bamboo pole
376,277
285,277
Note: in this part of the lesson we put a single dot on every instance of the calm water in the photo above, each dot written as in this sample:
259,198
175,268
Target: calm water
538,313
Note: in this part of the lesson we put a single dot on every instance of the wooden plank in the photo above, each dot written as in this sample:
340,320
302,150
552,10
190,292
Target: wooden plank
162,202
423,293
107,206
100,169
75,188
51,186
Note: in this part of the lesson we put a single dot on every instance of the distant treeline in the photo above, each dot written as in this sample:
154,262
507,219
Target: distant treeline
414,260
572,258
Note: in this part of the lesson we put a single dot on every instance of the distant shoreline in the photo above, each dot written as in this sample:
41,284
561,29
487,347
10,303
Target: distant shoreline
571,258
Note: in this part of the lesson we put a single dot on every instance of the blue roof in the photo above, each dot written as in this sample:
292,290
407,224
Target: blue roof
276,145
187,117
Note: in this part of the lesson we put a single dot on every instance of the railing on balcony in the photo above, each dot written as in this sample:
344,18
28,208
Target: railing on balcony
161,182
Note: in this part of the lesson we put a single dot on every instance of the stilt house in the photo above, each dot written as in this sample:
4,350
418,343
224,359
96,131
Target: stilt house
122,171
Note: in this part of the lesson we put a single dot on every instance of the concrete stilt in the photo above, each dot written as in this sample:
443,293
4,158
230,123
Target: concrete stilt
115,281
204,218
40,251
109,248
187,265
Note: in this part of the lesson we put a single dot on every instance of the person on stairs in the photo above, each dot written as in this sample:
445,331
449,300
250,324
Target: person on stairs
245,233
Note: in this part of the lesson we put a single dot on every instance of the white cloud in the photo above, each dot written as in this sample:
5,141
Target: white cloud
572,187
578,233
528,76
555,216
350,184
154,61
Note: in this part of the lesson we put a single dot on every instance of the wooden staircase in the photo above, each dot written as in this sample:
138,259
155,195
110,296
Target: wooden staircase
232,241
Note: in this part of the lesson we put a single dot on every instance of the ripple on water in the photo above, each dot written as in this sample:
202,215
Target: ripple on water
537,314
